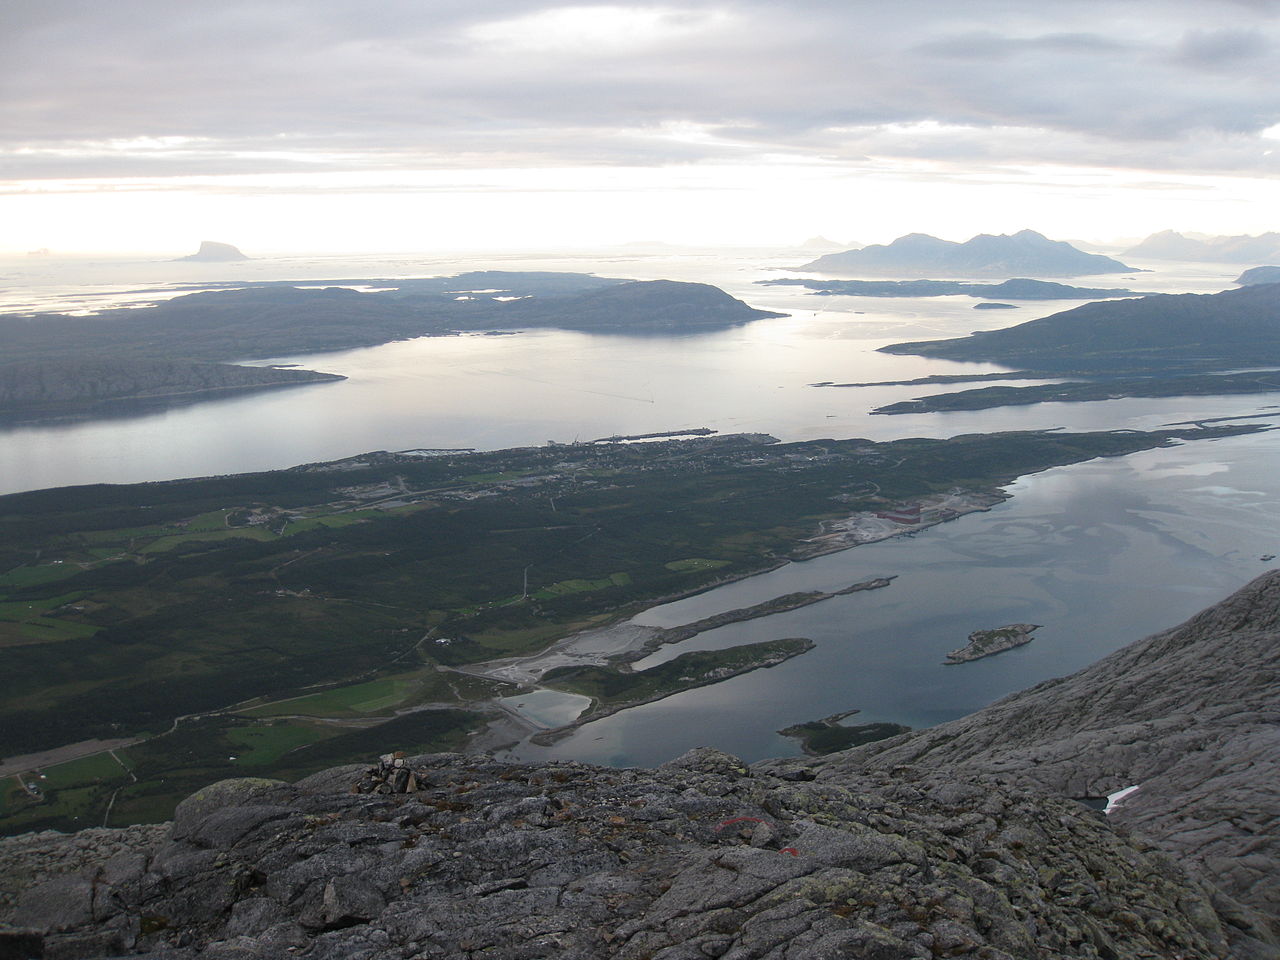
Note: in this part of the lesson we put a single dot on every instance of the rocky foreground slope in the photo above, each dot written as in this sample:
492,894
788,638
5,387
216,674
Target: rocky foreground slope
965,852
1190,716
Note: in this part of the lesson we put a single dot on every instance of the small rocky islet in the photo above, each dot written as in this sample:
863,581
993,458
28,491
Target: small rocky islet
987,643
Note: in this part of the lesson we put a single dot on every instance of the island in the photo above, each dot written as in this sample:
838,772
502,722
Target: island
159,636
1016,289
213,252
1026,253
828,735
987,643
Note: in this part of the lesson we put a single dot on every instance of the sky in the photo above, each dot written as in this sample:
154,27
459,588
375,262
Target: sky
310,126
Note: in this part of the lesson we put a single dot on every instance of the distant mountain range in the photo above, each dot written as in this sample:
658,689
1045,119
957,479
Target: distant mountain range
1161,333
1170,245
1023,254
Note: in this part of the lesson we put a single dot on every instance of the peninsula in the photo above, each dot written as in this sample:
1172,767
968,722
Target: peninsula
181,347
37,389
829,735
1265,274
1159,346
1111,388
613,689
1187,332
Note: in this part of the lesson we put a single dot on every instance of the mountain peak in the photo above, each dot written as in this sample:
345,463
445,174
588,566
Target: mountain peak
919,256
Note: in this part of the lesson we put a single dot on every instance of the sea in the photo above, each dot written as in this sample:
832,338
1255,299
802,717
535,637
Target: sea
1098,554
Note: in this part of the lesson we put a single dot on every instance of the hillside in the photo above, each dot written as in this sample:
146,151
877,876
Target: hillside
638,307
1023,254
955,841
54,386
703,857
1189,716
1166,332
1267,274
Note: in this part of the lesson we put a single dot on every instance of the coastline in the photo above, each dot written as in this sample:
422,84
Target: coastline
545,738
868,527
623,642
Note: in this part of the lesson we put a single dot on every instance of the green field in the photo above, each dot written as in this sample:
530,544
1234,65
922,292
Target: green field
25,623
373,696
263,745
693,564
77,793
100,767
30,576
564,587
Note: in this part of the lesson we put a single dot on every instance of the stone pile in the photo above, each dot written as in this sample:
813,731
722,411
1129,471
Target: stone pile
392,775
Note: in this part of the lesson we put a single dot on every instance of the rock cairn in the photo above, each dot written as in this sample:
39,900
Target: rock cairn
391,775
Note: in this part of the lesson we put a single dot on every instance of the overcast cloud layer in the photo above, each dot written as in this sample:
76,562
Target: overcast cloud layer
145,88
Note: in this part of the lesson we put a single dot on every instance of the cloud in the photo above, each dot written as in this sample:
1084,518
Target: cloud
594,32
150,88
1223,49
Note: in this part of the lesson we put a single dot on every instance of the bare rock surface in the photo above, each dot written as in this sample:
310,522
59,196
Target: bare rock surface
704,857
1190,716
35,858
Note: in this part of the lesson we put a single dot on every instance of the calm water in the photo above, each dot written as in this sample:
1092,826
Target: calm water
1099,553
494,392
